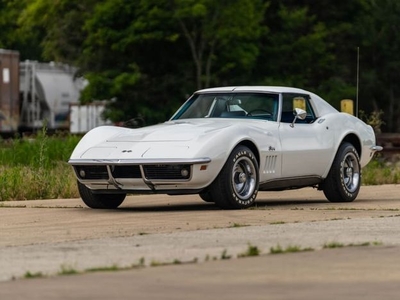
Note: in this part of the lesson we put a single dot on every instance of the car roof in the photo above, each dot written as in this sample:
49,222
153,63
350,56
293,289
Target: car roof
274,89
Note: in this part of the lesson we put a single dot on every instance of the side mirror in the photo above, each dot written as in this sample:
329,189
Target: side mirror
298,114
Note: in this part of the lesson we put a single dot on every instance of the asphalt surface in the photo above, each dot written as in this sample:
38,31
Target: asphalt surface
159,247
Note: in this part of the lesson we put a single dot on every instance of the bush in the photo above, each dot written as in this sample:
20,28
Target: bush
379,171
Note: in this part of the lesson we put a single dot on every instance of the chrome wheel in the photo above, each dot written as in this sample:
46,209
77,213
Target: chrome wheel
351,172
236,186
244,177
344,178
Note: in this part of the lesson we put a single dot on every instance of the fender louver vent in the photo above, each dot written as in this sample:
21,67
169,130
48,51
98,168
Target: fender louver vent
270,164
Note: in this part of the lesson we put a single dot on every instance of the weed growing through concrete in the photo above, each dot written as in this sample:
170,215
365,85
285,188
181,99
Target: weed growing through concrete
289,249
332,245
29,275
237,225
277,223
251,251
67,270
104,269
224,255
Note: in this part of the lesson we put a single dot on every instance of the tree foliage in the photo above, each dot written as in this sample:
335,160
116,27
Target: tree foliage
378,27
149,55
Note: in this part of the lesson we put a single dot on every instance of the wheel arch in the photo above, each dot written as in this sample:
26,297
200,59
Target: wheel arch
354,140
351,138
245,142
252,147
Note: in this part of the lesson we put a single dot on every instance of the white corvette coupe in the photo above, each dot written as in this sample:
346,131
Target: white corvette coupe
226,144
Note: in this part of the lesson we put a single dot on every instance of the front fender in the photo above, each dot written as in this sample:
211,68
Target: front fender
95,136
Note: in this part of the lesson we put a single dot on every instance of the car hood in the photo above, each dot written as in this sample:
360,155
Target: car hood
172,131
171,140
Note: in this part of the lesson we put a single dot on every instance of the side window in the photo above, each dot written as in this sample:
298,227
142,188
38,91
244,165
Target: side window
290,101
261,106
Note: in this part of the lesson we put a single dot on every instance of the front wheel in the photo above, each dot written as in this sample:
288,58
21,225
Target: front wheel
206,196
344,178
100,201
236,186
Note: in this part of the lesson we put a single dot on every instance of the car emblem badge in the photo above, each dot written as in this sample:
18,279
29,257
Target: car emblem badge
126,151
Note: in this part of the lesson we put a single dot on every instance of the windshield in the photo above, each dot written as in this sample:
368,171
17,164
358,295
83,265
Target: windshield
230,105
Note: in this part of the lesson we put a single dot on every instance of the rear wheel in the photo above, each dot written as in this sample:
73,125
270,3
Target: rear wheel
99,201
236,186
344,179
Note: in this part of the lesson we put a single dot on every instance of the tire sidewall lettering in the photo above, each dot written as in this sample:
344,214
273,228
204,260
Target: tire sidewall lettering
244,202
236,198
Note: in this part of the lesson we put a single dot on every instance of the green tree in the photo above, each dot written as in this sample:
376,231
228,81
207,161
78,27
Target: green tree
378,26
220,29
130,55
59,24
296,51
11,36
149,55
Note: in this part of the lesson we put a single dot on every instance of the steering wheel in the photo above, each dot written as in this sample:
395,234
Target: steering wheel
261,110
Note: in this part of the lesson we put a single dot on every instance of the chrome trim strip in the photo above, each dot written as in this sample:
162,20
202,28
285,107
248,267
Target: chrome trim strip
150,161
376,148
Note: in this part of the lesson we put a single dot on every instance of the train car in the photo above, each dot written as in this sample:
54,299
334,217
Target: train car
47,91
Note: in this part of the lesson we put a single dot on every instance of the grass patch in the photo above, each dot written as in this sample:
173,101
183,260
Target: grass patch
237,225
333,245
251,251
2,205
112,268
379,171
67,270
29,275
36,168
155,263
277,223
289,249
225,255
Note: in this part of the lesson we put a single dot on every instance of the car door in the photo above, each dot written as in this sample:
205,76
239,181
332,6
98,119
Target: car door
307,144
263,108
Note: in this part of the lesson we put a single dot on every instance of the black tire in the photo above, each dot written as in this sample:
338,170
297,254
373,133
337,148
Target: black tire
100,201
344,178
206,196
236,186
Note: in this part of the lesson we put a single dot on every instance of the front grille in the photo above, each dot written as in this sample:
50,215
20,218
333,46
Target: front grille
167,172
92,172
126,172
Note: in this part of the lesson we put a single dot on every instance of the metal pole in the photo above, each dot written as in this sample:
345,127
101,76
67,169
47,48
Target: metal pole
358,78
